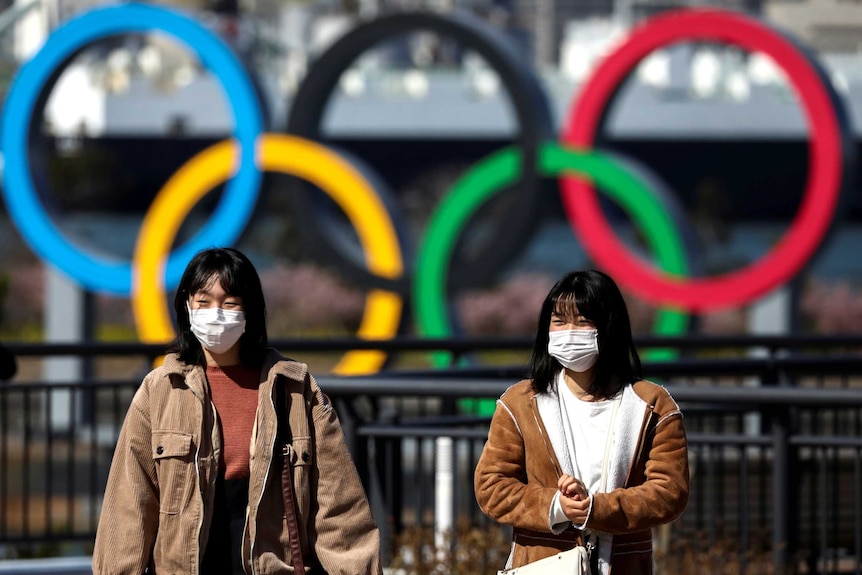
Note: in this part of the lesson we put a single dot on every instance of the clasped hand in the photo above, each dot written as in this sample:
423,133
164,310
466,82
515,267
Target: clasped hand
574,499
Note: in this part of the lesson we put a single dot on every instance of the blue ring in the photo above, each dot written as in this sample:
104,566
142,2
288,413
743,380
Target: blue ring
239,198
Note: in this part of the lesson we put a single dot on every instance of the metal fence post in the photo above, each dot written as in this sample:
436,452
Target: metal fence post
377,500
780,491
385,484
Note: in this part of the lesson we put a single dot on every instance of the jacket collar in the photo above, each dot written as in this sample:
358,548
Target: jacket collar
193,375
274,365
627,431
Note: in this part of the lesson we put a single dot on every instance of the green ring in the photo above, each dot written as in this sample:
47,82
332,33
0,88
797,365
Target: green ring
489,177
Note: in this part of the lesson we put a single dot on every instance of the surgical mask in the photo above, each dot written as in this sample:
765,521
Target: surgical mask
575,349
217,329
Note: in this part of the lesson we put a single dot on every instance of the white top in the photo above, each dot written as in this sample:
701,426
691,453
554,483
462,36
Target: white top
586,426
626,421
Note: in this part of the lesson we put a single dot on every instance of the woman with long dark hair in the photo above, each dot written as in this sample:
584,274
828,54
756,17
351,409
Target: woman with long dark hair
231,460
585,451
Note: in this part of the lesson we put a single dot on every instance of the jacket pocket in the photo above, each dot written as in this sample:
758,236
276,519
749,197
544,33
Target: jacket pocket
174,456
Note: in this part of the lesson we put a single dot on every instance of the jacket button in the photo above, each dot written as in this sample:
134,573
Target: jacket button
160,450
305,457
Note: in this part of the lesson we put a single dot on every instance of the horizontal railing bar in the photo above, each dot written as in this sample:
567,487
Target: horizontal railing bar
825,441
457,345
797,440
48,566
431,386
754,396
808,364
406,431
46,538
420,431
736,440
35,386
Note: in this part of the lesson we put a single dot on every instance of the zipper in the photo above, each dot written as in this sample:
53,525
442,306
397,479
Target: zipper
201,503
244,534
260,497
198,477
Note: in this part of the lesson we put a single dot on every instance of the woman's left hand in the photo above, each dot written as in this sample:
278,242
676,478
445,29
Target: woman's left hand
576,508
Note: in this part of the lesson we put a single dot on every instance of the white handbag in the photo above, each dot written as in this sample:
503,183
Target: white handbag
572,562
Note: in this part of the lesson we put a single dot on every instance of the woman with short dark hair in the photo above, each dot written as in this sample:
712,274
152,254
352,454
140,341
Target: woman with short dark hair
231,460
585,451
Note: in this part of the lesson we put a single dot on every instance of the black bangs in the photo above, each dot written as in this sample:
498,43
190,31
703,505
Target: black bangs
219,269
570,305
231,280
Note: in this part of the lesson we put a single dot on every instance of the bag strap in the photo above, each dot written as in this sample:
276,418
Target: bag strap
288,497
592,545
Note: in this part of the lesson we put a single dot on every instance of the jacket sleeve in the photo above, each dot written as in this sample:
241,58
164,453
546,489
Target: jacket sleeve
503,491
345,537
130,509
663,494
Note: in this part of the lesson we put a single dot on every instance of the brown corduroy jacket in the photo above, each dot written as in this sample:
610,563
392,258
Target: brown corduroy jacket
516,479
159,498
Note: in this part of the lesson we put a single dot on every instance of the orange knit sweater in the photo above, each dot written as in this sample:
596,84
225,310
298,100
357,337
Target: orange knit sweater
234,394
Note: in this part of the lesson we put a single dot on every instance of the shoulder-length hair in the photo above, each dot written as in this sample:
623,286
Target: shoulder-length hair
238,278
595,296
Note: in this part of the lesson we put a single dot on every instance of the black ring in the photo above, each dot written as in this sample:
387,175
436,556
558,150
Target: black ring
531,106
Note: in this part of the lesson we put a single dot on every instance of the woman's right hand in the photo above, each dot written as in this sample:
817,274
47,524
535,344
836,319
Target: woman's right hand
572,487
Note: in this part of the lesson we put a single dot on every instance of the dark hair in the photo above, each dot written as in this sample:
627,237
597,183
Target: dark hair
238,278
597,298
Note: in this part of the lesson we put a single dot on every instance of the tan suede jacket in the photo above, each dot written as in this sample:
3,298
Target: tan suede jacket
159,497
515,478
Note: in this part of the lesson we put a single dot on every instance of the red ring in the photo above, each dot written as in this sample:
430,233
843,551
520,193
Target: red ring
822,189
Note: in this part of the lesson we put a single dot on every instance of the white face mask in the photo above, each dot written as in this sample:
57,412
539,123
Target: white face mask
575,349
217,329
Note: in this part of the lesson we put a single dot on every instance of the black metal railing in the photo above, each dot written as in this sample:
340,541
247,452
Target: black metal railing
775,446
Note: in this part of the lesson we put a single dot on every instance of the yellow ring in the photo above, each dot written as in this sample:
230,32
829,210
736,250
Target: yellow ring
289,155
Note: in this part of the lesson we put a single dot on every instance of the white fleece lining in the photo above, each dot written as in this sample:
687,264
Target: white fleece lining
549,411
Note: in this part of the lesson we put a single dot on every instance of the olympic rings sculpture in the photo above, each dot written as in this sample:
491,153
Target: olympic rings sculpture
387,267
